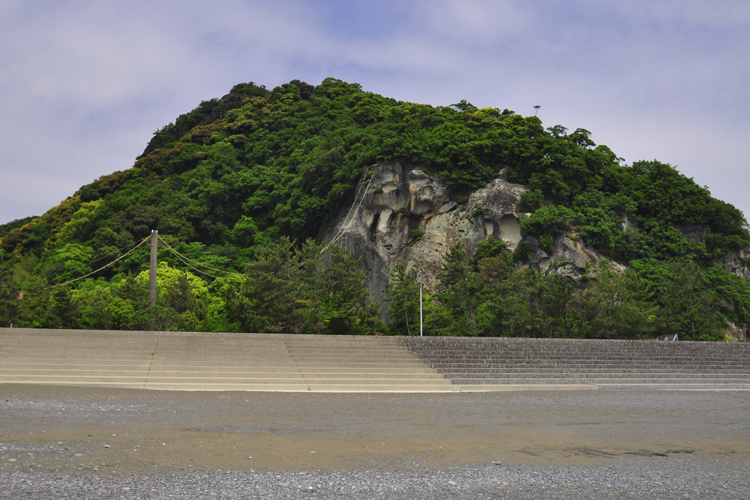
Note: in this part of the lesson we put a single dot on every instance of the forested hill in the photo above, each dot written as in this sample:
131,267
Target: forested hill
236,175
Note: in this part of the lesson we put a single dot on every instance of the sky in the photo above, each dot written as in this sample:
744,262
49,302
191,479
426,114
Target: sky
85,84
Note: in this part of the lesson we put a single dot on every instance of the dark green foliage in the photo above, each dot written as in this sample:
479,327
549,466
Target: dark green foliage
207,112
491,247
156,318
18,223
287,290
460,293
266,302
8,294
403,301
522,253
345,298
230,180
545,243
488,296
289,159
553,220
615,306
688,307
530,201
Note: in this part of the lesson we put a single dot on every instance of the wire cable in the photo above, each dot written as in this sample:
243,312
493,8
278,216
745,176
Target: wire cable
187,259
104,267
344,226
192,267
91,263
354,202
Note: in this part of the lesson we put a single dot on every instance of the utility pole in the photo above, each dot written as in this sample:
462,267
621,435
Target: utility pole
152,268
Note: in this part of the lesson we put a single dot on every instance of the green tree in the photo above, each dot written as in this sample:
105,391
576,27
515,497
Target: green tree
459,297
495,314
64,307
346,300
690,308
613,306
403,299
155,318
35,307
134,291
555,295
308,308
266,301
8,293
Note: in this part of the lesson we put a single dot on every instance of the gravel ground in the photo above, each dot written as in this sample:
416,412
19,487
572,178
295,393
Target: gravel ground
114,443
632,479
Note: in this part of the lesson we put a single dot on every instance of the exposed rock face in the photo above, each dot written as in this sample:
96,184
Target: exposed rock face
577,254
738,263
400,199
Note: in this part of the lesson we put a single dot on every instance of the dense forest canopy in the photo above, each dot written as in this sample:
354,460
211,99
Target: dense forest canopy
261,170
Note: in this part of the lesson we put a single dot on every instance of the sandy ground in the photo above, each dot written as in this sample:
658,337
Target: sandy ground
120,431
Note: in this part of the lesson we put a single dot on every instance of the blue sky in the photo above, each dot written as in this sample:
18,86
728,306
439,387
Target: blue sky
84,84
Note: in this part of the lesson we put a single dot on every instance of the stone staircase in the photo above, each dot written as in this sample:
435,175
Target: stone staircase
214,361
604,363
302,363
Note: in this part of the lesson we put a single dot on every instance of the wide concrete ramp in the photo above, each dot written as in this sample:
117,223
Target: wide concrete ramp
214,361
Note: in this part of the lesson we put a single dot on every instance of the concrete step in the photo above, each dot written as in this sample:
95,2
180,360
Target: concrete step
382,388
592,369
134,378
568,361
577,355
489,357
331,363
592,380
174,361
608,376
213,386
198,361
727,386
404,370
375,380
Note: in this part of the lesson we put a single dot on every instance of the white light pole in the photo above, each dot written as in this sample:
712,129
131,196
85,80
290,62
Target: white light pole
420,305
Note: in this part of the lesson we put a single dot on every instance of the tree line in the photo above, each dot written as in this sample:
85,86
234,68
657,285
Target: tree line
300,289
488,294
239,173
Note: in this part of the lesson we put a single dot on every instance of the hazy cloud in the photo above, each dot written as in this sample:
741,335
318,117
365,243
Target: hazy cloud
85,84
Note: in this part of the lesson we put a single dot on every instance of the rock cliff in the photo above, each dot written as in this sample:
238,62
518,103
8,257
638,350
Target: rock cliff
737,263
403,214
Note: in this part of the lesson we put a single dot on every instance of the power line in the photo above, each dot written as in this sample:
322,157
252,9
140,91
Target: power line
122,248
90,264
104,267
194,268
185,260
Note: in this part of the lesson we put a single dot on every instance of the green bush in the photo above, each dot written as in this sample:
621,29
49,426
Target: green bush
529,201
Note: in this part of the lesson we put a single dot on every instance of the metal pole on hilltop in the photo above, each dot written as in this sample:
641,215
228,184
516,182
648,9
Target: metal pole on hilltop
152,267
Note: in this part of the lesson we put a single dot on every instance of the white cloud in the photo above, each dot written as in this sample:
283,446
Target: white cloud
478,22
693,13
84,84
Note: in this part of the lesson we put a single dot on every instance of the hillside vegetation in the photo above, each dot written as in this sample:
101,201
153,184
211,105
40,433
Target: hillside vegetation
247,184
